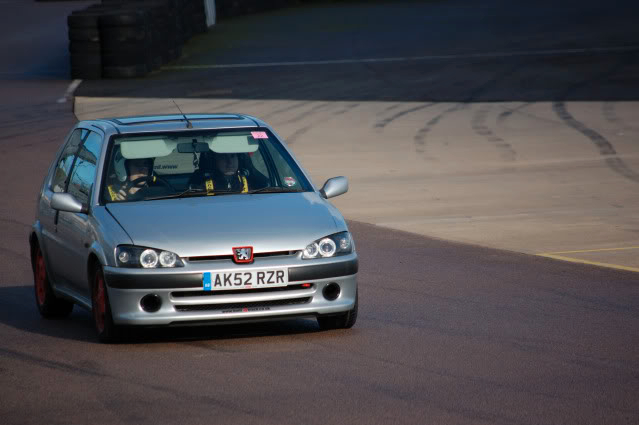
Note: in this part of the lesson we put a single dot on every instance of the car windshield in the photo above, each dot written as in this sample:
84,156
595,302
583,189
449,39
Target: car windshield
159,166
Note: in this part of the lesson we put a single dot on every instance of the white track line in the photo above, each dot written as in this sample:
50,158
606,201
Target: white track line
67,94
416,58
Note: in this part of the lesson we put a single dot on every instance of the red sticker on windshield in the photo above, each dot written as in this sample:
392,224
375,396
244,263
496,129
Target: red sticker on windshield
259,135
289,181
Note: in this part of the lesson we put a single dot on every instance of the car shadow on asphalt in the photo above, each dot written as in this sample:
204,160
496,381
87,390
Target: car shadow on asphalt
18,310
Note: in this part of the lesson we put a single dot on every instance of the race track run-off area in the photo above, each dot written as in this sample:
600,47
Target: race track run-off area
492,156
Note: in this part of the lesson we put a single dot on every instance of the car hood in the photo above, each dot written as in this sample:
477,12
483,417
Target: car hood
213,225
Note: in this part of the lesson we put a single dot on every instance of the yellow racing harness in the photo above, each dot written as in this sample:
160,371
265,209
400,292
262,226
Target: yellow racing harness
210,187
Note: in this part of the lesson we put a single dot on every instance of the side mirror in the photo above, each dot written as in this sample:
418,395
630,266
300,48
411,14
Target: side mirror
66,202
334,187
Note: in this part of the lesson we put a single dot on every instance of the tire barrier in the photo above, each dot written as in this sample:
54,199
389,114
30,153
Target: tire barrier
127,47
131,38
84,45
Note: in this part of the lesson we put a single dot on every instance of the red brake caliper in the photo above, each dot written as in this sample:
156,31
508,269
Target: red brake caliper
40,277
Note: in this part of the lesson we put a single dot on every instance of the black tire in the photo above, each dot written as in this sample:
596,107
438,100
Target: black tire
84,34
123,18
115,36
86,60
49,306
86,73
340,321
133,71
101,309
85,47
126,56
83,19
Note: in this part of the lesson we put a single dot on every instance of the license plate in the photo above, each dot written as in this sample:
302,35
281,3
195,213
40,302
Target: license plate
212,281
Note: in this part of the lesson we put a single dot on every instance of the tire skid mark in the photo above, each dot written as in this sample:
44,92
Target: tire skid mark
307,113
21,120
12,137
383,123
390,108
346,109
254,104
297,133
420,137
621,168
509,112
422,133
537,345
205,345
290,105
301,131
226,105
608,111
9,140
12,221
606,149
50,364
479,126
601,143
205,399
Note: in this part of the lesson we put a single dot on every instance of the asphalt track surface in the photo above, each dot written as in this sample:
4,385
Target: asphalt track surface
447,333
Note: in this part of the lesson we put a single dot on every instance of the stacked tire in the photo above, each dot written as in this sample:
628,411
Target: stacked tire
126,44
173,30
84,45
130,38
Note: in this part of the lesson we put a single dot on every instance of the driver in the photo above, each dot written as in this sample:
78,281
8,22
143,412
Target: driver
139,175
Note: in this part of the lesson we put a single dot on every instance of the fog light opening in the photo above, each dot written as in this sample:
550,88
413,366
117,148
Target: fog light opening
151,303
331,291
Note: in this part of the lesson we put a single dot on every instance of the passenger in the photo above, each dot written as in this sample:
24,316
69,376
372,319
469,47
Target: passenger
225,176
139,176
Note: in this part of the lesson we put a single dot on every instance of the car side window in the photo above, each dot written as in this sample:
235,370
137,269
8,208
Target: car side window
83,174
65,162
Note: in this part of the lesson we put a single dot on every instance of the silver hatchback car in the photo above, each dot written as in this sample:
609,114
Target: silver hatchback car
189,219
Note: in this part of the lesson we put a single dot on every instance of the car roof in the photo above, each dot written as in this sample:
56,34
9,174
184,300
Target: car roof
178,122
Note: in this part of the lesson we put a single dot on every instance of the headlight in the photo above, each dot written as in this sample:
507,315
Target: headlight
330,246
311,250
168,259
148,258
327,247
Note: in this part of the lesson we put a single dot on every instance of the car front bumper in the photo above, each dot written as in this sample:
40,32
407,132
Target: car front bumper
183,300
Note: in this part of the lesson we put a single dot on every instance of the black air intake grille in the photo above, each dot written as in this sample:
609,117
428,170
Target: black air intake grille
244,305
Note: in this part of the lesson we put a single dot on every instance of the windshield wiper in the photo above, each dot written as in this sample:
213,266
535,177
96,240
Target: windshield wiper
191,192
273,189
203,192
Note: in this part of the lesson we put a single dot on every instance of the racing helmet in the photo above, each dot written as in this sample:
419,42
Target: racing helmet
139,163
